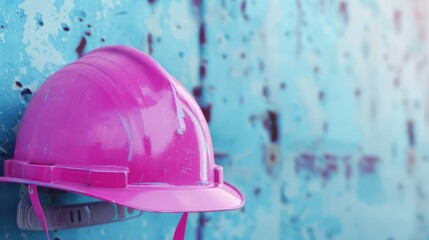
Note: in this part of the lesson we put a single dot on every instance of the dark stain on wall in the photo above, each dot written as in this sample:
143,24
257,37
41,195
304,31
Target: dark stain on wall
26,94
202,33
197,92
271,124
343,8
203,71
207,112
65,27
243,10
202,221
257,191
410,131
397,19
81,47
150,43
18,84
367,164
328,164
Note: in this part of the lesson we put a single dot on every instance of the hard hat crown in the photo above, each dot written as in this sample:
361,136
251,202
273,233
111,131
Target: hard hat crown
117,110
115,125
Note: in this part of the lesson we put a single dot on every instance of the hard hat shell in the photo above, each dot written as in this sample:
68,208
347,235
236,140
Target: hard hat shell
115,125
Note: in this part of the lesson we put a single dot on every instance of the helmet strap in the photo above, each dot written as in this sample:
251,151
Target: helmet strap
31,217
34,198
179,234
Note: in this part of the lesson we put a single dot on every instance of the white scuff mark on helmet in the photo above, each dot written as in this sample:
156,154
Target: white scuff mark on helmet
52,100
46,95
203,145
141,177
204,160
45,149
186,170
128,132
180,113
182,126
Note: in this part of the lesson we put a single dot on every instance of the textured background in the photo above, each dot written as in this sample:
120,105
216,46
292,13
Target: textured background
318,108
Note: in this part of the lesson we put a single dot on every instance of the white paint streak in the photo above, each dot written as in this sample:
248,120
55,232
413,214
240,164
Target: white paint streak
309,96
181,21
110,3
153,22
36,38
2,39
267,47
191,64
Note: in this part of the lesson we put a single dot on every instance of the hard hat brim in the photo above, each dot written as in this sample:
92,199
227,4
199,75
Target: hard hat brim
162,198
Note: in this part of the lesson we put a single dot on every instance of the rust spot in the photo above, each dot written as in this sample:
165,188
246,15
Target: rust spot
257,191
305,161
202,221
196,3
367,164
149,43
81,47
316,69
202,33
26,94
343,8
197,91
243,10
207,112
397,20
411,161
410,130
265,91
357,92
203,71
321,96
66,28
271,124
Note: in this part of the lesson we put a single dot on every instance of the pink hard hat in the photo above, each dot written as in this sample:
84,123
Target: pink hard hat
116,126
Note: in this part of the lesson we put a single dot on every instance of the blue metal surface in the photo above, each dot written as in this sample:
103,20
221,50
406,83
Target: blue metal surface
317,109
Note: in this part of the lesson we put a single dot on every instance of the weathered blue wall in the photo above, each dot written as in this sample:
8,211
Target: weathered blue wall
318,109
